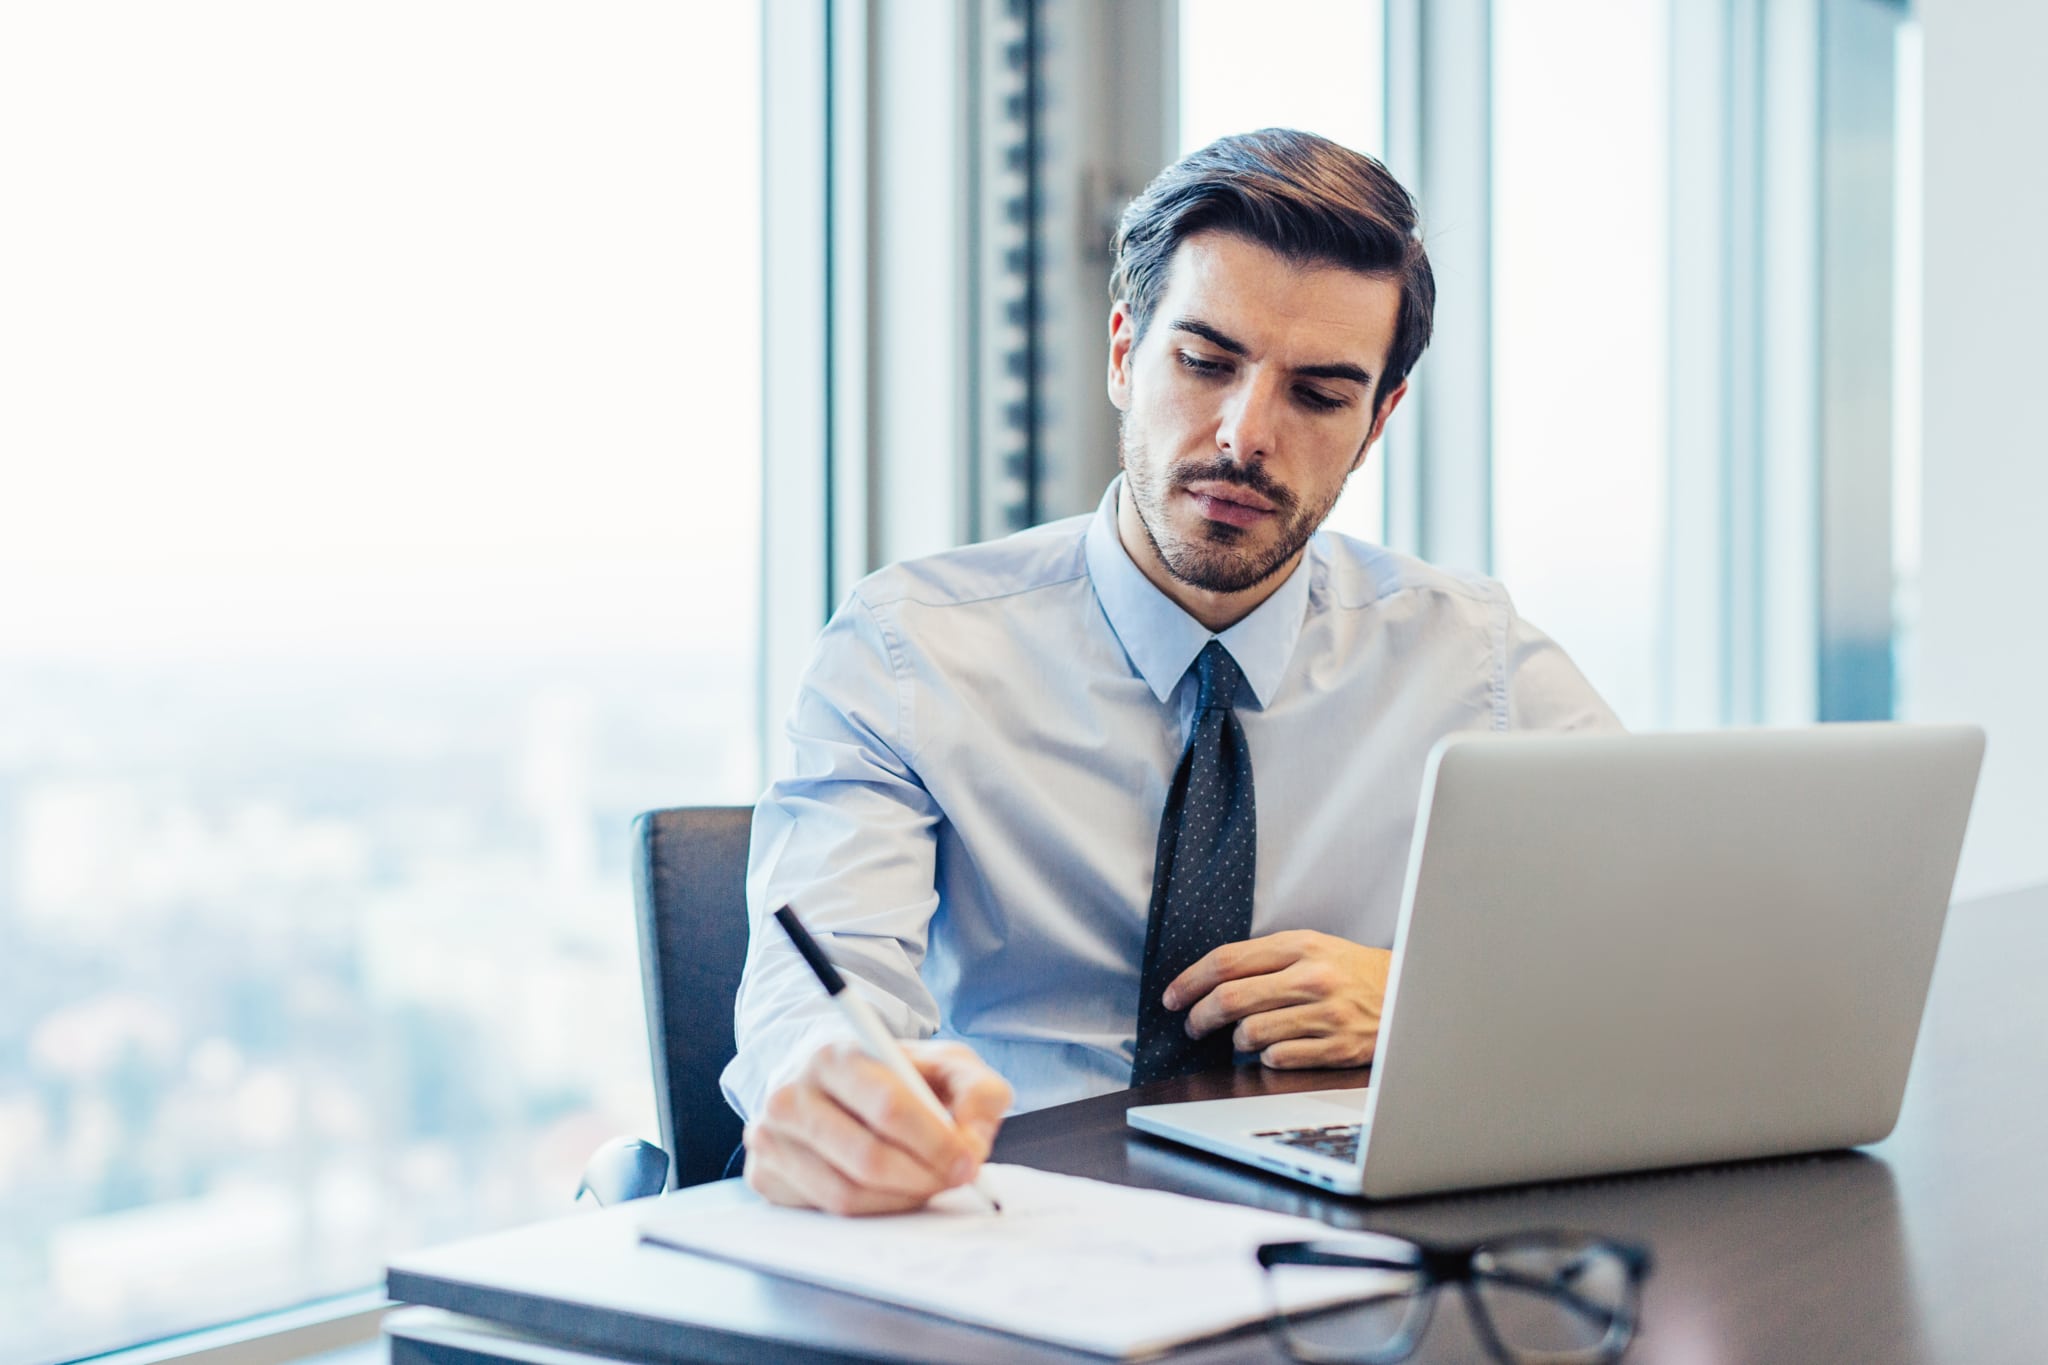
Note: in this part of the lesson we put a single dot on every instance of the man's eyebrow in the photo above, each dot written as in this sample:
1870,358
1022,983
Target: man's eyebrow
1335,370
1204,330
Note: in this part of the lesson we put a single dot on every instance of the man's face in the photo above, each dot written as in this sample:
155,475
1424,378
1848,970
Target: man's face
1245,407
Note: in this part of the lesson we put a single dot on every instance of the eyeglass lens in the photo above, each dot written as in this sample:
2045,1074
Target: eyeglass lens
1353,1313
1556,1299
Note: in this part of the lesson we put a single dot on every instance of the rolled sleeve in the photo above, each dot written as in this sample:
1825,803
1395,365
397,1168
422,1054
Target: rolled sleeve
848,841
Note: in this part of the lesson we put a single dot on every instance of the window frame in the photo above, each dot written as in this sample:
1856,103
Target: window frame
295,1333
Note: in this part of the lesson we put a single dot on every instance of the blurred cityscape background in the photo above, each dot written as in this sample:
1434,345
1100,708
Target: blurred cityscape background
307,963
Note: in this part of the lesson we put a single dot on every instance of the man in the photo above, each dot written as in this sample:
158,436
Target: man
1117,796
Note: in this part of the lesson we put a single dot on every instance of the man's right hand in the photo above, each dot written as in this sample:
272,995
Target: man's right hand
847,1137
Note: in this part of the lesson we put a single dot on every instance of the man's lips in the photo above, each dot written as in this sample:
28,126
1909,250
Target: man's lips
1230,504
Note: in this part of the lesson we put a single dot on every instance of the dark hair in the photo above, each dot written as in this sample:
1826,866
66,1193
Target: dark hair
1303,196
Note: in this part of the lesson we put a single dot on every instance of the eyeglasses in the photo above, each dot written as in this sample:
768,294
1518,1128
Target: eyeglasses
1536,1298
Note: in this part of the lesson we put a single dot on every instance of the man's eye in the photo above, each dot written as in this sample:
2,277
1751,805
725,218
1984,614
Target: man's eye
1319,401
1199,365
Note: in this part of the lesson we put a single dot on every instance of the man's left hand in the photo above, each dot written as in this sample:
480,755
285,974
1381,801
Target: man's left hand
1299,999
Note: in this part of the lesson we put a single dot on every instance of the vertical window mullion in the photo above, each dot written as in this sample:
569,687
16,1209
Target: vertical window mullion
1857,58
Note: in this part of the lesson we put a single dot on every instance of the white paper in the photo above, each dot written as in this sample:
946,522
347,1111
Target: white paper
1098,1267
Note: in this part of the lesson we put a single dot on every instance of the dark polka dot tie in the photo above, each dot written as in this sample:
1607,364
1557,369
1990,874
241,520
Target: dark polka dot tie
1202,883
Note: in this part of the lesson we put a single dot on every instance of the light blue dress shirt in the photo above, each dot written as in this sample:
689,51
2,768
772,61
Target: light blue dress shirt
983,745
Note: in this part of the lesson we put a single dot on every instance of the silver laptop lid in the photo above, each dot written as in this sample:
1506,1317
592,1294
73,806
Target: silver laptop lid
1630,951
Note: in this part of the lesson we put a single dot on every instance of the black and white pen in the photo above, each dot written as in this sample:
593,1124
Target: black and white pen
874,1036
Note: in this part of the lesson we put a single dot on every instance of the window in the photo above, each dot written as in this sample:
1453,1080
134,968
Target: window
1240,70
1704,350
1580,143
380,533
1672,399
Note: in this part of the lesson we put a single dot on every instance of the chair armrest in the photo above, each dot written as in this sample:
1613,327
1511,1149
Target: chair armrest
622,1169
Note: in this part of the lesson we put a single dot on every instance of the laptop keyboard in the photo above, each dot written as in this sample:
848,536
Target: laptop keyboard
1338,1141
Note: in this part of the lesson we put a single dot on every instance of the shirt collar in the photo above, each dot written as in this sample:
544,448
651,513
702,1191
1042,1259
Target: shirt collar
1162,640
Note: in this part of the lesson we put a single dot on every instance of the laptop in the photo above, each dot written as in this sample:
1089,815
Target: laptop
1624,952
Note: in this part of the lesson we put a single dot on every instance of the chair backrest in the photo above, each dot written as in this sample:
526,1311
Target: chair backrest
689,885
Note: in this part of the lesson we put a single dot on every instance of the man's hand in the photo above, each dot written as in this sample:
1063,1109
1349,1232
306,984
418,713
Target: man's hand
1299,999
847,1137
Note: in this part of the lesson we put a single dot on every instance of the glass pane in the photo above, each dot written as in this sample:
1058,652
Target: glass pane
1579,348
381,392
1317,65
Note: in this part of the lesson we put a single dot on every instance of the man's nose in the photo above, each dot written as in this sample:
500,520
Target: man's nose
1250,419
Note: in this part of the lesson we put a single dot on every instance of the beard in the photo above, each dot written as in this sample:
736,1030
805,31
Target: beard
1218,557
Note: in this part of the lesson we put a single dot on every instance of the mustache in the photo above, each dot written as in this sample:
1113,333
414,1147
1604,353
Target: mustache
1252,476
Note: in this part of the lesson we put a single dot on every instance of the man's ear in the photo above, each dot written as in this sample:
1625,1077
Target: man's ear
1379,421
1123,338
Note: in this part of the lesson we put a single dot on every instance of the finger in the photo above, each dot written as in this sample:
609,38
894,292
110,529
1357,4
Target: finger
1239,999
761,1171
888,1108
802,1124
773,1170
1251,957
815,1121
793,1175
970,1089
1257,1032
1301,1054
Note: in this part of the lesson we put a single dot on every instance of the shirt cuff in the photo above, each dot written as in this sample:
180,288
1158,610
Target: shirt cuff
774,1057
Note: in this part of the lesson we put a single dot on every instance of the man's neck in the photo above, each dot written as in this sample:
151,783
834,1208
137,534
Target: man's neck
1217,611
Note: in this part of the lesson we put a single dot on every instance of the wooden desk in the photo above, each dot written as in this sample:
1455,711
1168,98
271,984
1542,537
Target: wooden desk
1929,1247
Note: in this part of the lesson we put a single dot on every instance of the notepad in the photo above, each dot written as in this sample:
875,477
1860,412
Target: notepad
1101,1268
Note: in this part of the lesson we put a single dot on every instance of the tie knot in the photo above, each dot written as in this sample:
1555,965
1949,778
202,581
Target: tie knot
1218,676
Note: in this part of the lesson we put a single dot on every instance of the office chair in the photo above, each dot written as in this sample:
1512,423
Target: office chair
689,892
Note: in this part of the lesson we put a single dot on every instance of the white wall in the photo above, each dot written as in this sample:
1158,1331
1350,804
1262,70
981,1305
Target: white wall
1983,640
